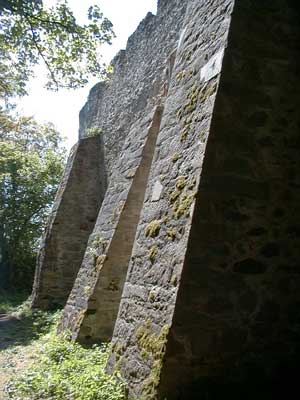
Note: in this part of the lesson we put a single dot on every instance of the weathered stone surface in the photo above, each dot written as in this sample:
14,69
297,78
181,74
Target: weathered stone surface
93,304
143,323
139,73
198,256
218,288
70,223
137,85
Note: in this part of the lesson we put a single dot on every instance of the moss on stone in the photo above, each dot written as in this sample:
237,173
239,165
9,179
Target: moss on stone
152,296
179,113
153,252
118,349
87,290
191,104
152,345
180,182
174,196
152,229
144,354
179,186
174,280
202,136
208,90
100,261
151,383
171,233
184,134
180,75
181,198
182,206
192,183
175,157
99,243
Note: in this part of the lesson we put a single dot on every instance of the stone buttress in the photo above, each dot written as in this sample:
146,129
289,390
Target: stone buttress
113,108
70,223
210,306
93,304
193,265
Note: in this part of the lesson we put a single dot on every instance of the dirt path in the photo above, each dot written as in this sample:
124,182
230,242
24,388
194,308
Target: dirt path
13,356
7,324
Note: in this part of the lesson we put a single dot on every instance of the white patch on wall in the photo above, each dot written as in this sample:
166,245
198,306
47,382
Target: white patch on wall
157,190
181,38
212,67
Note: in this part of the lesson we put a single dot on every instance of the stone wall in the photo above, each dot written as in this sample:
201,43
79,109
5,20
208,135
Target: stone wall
237,314
149,296
93,304
217,308
70,223
137,84
137,79
197,256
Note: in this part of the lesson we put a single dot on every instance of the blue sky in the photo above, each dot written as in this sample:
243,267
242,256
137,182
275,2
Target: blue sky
62,108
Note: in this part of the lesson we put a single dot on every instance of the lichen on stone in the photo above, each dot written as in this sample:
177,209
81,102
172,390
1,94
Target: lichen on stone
118,349
99,243
152,296
174,195
182,205
174,280
153,252
202,136
171,233
184,133
180,182
152,229
192,183
181,75
179,113
208,90
176,156
152,345
100,261
86,290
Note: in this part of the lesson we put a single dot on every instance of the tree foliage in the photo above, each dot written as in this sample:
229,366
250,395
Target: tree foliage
30,33
31,164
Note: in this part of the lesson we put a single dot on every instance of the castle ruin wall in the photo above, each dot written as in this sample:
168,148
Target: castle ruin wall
70,223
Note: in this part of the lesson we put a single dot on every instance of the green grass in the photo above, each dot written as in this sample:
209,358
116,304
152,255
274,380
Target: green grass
9,301
39,364
65,370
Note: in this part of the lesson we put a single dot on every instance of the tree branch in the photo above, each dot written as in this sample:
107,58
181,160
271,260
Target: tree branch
42,55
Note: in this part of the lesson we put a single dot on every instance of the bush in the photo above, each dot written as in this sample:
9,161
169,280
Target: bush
65,370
